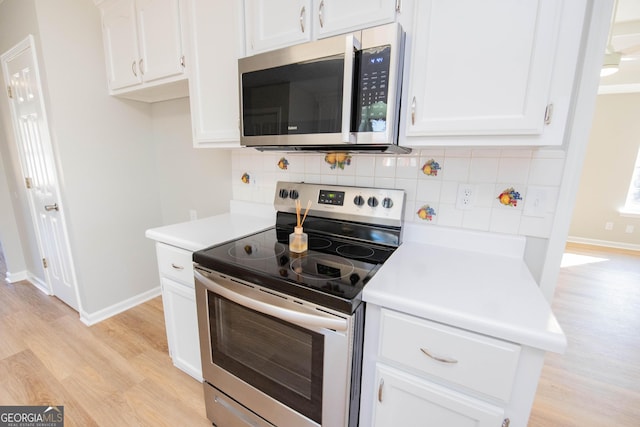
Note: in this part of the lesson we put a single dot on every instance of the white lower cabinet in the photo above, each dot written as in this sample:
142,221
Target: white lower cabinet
422,373
407,400
179,302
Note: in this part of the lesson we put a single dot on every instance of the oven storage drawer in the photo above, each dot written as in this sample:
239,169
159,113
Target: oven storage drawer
175,263
223,411
473,361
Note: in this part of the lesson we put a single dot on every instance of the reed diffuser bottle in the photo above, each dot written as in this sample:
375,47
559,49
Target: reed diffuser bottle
298,240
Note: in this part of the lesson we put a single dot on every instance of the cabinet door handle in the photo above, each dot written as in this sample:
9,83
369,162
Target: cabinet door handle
182,63
413,111
53,207
302,14
140,65
506,422
321,14
438,358
177,267
380,386
133,68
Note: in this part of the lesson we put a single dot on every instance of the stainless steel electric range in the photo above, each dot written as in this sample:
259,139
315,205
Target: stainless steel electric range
281,332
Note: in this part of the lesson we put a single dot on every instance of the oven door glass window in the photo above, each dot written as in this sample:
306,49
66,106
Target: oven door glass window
282,360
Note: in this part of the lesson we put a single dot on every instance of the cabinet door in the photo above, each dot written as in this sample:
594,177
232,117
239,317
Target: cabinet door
271,24
481,68
120,44
333,17
179,302
408,401
160,39
213,79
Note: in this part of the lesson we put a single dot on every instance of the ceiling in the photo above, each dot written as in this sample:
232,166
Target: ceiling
625,38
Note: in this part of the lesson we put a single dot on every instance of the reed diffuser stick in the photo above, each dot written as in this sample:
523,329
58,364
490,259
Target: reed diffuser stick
305,213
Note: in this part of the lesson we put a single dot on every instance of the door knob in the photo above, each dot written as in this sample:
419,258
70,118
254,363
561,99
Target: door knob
53,207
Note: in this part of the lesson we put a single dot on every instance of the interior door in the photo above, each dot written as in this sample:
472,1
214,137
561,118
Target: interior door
38,168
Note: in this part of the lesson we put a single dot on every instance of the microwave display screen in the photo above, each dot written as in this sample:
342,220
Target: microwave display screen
370,103
300,98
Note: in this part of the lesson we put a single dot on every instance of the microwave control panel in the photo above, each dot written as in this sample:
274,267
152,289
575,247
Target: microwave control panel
371,114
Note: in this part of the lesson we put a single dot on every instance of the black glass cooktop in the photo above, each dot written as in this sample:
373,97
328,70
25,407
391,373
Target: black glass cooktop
331,273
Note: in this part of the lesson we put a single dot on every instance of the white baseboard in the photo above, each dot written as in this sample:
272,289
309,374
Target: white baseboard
29,277
605,243
100,315
42,286
16,277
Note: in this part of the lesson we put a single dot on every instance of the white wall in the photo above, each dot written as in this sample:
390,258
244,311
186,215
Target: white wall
188,178
9,236
105,155
613,147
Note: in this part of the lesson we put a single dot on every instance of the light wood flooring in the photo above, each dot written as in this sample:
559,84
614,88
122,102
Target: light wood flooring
597,381
115,373
118,372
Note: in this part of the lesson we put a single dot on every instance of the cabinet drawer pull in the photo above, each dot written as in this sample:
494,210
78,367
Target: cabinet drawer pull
302,13
380,386
438,358
177,267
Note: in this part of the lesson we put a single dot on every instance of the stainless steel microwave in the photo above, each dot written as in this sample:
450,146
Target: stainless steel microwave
334,94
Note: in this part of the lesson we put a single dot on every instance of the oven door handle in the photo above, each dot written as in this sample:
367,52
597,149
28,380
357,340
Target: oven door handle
297,317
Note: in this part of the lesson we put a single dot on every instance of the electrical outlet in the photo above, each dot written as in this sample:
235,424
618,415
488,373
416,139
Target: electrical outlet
466,196
608,226
193,214
629,229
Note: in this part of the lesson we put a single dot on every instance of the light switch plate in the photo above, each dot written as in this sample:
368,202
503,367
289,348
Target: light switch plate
536,201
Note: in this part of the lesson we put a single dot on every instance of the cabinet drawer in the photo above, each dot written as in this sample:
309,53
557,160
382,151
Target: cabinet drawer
480,363
175,263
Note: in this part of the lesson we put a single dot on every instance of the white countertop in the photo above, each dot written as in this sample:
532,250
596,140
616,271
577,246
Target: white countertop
202,233
481,291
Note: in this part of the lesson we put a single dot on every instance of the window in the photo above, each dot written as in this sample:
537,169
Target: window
632,205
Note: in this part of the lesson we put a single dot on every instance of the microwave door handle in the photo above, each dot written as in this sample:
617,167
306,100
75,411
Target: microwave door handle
352,45
300,318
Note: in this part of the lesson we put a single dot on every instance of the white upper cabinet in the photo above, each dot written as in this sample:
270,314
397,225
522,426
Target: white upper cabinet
480,67
121,44
143,48
333,17
216,45
160,39
272,24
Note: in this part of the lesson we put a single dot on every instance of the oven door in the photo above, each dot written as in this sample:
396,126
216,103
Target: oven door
280,358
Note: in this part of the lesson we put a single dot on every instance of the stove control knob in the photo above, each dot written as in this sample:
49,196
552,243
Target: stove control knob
372,201
294,194
387,203
358,200
284,193
354,278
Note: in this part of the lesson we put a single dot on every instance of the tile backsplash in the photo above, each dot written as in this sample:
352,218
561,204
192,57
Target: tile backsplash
511,191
